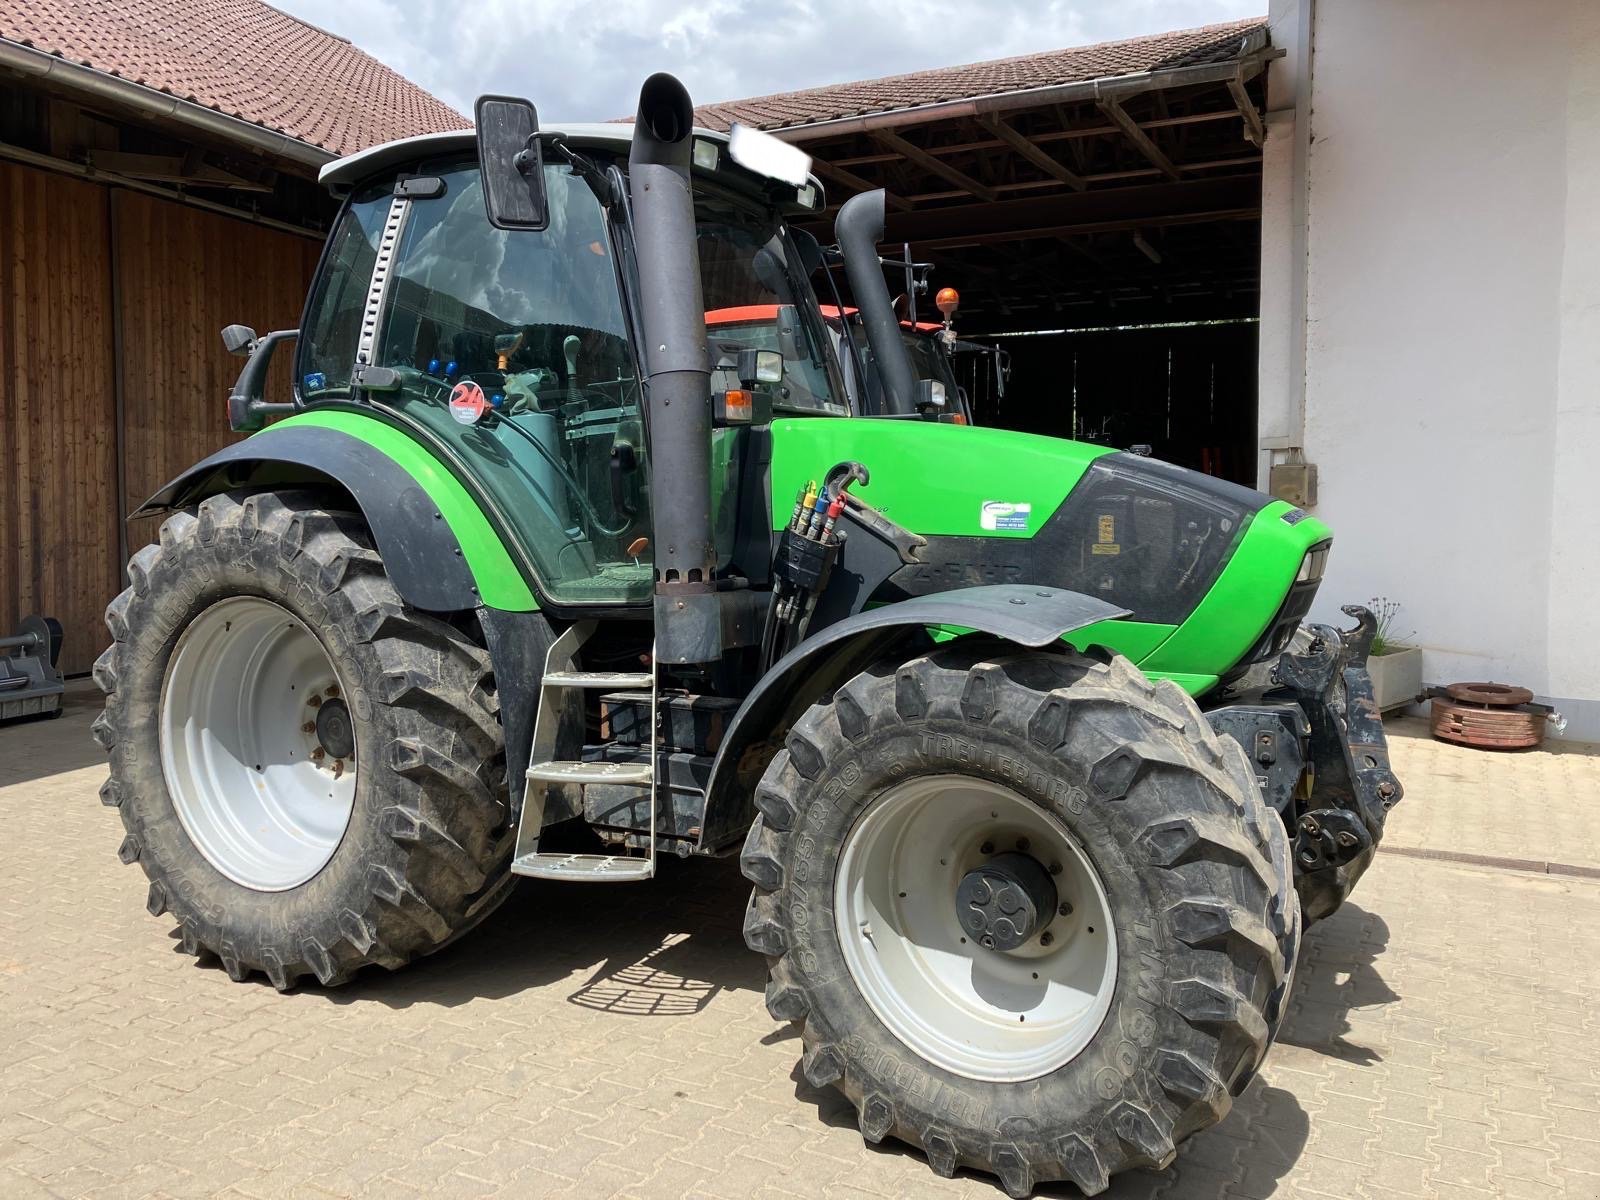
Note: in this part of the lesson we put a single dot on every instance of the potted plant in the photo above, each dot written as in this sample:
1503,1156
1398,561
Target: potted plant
1395,666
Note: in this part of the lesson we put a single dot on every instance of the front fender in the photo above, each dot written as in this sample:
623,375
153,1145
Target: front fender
436,543
1022,613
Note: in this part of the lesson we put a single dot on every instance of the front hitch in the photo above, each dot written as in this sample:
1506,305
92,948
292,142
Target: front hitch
1338,821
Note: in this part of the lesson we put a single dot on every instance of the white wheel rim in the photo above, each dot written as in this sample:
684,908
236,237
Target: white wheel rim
255,790
984,1014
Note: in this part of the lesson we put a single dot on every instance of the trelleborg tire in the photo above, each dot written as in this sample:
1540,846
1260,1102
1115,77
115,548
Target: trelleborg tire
308,771
893,791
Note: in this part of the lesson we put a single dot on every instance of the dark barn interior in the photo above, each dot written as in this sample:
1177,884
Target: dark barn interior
1097,208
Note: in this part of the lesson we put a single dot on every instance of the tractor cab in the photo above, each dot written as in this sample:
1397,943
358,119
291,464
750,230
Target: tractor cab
517,350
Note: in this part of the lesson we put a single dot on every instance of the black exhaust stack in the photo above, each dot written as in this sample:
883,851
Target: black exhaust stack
859,228
677,375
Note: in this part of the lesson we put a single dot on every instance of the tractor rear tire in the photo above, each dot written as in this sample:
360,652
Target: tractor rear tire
309,772
972,757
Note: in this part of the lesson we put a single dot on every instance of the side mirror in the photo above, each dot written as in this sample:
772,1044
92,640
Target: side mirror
809,251
511,163
247,411
238,340
790,343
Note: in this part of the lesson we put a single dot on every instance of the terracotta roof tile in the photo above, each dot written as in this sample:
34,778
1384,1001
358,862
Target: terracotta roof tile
1184,47
239,57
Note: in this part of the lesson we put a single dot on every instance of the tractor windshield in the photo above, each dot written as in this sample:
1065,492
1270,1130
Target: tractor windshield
756,299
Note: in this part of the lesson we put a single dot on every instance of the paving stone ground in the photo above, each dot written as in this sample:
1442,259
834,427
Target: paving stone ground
1444,1040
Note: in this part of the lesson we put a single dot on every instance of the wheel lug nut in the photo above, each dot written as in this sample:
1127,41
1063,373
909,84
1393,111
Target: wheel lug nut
1055,868
309,727
1022,844
318,754
333,689
1046,938
1066,908
986,848
315,701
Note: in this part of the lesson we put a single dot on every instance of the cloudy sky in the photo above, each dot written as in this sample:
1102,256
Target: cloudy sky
585,61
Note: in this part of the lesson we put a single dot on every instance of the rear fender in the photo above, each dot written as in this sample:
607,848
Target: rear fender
436,543
1025,614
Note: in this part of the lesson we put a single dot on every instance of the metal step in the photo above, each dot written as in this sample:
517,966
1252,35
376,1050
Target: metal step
583,868
599,679
591,772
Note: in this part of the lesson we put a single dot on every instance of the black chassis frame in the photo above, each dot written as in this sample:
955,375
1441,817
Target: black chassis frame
1315,737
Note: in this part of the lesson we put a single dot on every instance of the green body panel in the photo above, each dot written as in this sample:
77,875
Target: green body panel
931,478
935,479
500,584
1244,599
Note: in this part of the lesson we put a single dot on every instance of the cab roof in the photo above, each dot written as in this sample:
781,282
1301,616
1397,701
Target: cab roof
343,173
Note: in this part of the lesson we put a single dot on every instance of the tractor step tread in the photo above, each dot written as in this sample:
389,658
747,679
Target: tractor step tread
599,679
583,868
591,772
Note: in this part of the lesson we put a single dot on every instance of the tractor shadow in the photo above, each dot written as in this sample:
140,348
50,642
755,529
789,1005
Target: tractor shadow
1266,1132
1338,972
663,948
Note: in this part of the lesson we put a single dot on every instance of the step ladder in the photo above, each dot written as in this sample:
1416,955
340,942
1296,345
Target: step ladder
561,707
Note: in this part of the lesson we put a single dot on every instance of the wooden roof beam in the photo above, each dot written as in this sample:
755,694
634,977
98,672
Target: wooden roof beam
828,171
1118,116
1031,152
916,154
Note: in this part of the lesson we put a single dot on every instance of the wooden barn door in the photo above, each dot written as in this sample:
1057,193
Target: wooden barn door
102,289
58,490
182,274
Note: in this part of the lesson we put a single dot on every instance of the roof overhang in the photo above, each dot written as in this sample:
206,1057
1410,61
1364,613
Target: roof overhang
89,82
1253,59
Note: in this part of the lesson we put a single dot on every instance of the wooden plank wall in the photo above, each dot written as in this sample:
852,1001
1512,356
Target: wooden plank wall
58,498
74,258
182,274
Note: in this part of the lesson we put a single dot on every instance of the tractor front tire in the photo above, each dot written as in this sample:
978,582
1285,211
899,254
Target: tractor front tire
308,771
1028,910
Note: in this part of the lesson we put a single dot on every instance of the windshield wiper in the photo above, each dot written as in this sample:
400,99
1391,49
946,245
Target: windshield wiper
587,170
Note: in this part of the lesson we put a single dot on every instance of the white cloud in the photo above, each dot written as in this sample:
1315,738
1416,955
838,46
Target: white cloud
586,62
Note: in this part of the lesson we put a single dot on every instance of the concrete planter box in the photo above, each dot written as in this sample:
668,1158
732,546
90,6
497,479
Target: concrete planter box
1396,677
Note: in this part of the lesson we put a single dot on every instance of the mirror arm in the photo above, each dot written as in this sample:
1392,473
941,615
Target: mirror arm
247,411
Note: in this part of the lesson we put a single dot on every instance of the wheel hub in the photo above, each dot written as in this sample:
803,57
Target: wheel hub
1007,900
335,734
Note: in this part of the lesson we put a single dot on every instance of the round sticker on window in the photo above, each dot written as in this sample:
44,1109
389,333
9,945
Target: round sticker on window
468,403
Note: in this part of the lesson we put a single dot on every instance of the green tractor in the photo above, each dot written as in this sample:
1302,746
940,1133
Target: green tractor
1021,742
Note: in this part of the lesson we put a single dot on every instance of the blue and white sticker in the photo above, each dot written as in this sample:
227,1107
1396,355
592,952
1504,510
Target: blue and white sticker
316,381
1004,515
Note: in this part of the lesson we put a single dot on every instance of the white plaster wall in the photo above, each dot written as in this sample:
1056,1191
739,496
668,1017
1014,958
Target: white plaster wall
1450,370
1574,647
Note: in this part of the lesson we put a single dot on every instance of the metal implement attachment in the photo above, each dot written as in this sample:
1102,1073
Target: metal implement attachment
559,728
30,684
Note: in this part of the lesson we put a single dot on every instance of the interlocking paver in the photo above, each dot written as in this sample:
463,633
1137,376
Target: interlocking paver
1443,1041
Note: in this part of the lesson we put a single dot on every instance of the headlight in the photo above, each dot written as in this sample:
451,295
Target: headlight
1313,564
705,154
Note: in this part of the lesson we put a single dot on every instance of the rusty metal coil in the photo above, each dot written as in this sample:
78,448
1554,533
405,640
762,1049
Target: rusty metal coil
1492,726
